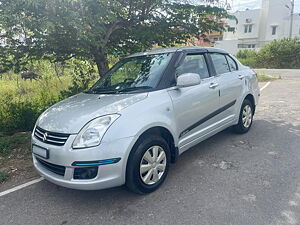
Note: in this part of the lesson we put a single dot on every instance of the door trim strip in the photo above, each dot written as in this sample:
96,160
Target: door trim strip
208,117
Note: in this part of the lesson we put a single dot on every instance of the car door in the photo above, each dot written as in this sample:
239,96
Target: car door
193,105
230,85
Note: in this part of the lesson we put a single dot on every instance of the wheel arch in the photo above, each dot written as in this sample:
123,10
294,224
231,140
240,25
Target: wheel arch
166,134
251,98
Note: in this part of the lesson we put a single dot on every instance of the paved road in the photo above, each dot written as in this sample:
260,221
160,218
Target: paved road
228,179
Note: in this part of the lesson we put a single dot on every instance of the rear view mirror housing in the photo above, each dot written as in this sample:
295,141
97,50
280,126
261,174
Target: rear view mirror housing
188,80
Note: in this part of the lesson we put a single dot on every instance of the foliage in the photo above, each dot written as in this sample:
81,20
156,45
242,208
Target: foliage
8,143
91,29
246,53
21,102
247,57
278,54
3,176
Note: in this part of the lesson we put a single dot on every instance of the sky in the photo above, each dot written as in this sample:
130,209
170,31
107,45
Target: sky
253,4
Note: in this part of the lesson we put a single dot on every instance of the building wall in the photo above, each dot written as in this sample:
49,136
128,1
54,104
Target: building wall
273,13
248,18
276,15
230,46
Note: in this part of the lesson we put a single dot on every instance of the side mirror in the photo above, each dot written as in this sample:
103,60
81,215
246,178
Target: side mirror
188,79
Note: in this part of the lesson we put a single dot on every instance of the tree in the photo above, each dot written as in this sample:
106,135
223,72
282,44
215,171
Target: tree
93,29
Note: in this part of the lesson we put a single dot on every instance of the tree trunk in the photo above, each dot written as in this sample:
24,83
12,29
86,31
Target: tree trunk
101,62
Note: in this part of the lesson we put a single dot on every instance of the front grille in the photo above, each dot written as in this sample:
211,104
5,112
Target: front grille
60,170
50,137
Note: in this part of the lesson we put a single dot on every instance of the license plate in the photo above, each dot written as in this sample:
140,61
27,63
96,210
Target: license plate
40,151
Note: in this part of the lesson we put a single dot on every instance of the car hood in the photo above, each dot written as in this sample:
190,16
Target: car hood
71,114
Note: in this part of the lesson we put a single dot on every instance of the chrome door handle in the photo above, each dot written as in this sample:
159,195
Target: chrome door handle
241,77
213,85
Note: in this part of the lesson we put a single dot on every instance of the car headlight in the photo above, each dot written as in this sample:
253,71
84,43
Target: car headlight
92,133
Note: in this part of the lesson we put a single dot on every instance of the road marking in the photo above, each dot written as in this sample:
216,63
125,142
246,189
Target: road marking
266,85
21,186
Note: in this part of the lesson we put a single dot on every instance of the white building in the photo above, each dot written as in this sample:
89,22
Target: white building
258,27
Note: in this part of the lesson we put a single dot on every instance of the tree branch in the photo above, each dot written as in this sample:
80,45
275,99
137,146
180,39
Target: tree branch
110,30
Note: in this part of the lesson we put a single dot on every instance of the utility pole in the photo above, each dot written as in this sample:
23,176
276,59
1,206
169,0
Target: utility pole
292,18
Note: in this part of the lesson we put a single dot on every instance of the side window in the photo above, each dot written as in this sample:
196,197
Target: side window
220,63
232,64
193,64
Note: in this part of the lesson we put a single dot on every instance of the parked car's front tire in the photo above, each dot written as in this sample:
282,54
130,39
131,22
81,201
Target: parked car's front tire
246,118
148,164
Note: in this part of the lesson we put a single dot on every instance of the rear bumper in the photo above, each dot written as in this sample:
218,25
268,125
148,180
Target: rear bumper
109,175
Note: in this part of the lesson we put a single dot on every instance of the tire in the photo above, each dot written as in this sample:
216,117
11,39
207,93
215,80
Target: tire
139,160
244,125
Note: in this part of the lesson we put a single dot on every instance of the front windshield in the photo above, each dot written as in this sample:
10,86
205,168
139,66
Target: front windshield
132,74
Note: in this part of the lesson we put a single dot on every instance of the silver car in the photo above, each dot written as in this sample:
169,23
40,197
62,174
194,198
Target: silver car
140,116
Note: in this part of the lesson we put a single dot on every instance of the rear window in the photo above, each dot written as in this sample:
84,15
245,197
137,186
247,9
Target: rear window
232,64
220,63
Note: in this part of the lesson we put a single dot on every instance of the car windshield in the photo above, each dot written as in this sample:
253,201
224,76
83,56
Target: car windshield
133,74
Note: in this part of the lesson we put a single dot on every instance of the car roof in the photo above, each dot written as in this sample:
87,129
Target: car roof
178,49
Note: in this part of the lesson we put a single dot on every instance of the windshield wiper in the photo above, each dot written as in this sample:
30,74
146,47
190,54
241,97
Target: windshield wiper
129,89
114,91
101,91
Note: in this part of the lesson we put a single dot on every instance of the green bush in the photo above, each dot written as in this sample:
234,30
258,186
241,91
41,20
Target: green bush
278,54
248,57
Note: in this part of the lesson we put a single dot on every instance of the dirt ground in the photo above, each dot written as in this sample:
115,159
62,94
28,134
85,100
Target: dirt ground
19,168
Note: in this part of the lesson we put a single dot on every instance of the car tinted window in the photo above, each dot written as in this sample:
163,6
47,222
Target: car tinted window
232,64
193,64
220,63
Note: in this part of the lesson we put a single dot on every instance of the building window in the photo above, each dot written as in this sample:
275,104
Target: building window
274,29
246,45
248,28
231,29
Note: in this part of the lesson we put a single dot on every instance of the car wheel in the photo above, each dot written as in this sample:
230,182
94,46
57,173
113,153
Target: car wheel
245,119
148,165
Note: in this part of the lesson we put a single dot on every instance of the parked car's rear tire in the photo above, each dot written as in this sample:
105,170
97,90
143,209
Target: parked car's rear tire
246,118
148,164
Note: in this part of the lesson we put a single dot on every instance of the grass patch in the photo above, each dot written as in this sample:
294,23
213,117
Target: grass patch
3,176
22,101
18,143
264,78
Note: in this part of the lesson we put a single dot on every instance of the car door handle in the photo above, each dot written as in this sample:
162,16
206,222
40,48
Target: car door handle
213,85
241,77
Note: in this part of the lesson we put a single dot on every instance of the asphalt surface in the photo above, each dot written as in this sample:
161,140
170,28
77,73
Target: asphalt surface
227,179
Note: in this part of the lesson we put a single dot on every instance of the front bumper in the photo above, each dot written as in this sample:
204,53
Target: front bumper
110,175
